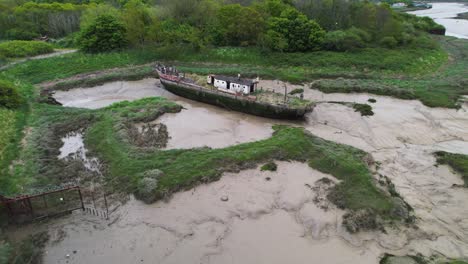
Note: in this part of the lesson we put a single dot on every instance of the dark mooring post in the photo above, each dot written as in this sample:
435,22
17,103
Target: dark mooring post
81,199
285,92
107,207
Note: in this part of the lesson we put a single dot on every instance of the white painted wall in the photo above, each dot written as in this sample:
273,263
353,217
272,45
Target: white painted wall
220,84
246,89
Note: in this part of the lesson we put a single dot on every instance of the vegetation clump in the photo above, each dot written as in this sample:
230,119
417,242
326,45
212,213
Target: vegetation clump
147,185
361,220
372,100
106,33
9,96
270,166
21,48
458,162
364,109
296,91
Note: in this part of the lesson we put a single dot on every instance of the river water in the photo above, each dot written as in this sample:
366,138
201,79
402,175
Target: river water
271,217
444,13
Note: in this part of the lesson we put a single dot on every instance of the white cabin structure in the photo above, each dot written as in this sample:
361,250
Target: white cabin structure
231,84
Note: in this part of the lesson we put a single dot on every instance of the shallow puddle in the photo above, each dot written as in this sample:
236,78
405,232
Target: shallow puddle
74,148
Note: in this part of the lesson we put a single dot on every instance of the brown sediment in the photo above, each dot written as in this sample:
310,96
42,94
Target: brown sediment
265,221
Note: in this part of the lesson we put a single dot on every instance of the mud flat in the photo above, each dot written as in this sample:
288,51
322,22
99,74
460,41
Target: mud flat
263,221
198,125
277,220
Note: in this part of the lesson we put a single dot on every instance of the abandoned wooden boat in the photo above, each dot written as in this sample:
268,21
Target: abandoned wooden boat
234,93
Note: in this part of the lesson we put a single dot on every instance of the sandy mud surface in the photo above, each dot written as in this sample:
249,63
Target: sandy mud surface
263,221
277,220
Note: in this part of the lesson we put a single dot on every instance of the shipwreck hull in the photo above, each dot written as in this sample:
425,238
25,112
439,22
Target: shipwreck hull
232,102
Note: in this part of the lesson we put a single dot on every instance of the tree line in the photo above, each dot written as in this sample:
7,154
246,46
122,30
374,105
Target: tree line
279,25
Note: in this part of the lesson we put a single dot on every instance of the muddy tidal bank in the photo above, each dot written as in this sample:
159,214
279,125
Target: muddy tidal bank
277,220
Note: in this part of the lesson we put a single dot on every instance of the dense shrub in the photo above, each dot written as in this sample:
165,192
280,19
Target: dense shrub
21,48
293,31
9,96
343,40
106,33
388,42
424,42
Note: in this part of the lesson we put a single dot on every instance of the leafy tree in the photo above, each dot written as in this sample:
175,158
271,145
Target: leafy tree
295,29
31,20
238,25
137,19
330,14
105,34
171,32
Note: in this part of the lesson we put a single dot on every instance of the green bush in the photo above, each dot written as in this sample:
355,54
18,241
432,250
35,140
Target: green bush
424,42
106,33
343,40
21,34
22,48
9,96
364,109
292,31
388,42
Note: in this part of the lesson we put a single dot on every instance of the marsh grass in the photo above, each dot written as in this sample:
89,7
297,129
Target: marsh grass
457,162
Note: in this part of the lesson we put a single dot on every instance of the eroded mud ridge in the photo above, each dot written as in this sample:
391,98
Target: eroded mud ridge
281,217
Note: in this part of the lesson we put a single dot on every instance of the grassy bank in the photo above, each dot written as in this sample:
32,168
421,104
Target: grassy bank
405,73
457,162
440,89
422,74
289,66
101,77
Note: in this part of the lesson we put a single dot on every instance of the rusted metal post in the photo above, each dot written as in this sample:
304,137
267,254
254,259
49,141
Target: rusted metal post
107,208
81,198
285,91
30,207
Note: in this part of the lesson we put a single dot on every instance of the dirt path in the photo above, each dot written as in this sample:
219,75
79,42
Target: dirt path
53,54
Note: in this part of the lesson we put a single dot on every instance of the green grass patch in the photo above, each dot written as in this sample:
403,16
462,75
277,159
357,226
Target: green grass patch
270,166
296,91
22,48
457,162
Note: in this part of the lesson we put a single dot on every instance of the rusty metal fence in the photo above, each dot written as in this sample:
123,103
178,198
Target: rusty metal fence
43,204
